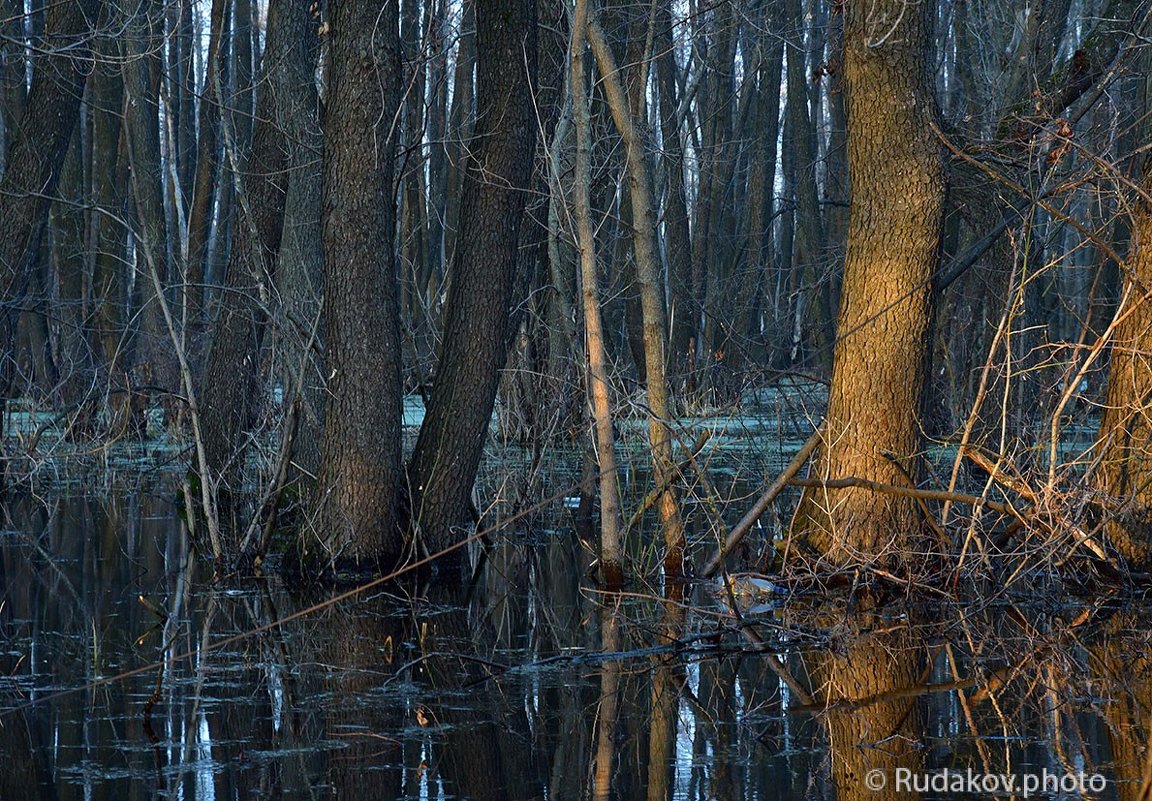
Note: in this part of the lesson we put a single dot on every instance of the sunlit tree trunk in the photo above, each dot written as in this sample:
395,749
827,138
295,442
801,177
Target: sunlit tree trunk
1125,440
357,522
599,380
481,275
898,186
649,277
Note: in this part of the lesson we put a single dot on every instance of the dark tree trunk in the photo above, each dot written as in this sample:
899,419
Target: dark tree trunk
203,189
685,311
154,362
108,234
360,474
36,156
481,277
300,266
229,389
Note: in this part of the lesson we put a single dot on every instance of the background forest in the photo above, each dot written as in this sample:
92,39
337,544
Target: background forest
280,234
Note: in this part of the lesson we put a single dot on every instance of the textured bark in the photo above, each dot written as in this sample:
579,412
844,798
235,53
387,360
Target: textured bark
360,474
300,266
481,276
898,185
36,155
1125,472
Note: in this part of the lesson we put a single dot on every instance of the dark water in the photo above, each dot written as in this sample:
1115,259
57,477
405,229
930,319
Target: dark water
533,685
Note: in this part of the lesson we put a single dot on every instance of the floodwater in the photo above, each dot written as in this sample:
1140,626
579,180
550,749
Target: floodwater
530,684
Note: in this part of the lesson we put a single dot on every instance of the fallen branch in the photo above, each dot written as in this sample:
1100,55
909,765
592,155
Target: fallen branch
908,492
741,529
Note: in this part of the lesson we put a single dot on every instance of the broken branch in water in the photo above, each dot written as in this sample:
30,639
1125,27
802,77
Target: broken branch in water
741,529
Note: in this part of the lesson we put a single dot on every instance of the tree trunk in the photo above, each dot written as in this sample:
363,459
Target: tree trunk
813,336
677,240
203,190
36,157
649,276
153,360
300,265
1125,440
109,235
229,400
898,185
481,277
360,479
598,378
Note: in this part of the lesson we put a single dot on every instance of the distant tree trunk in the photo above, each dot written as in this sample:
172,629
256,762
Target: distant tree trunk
813,335
36,156
108,234
1125,439
203,189
229,399
461,119
360,480
13,95
898,186
759,270
481,276
650,278
153,360
677,240
71,262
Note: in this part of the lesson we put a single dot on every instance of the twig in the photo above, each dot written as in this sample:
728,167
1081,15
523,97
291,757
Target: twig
741,529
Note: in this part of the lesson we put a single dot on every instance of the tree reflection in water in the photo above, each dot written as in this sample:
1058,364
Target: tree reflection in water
528,684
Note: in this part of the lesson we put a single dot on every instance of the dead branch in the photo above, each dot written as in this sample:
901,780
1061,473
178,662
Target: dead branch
741,529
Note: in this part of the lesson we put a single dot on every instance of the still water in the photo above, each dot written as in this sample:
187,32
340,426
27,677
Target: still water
530,684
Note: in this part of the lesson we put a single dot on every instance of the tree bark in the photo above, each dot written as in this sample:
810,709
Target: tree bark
229,400
649,276
481,277
36,156
357,521
1125,439
598,378
203,189
898,185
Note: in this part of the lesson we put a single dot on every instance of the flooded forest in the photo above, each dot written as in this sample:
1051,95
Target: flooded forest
680,400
